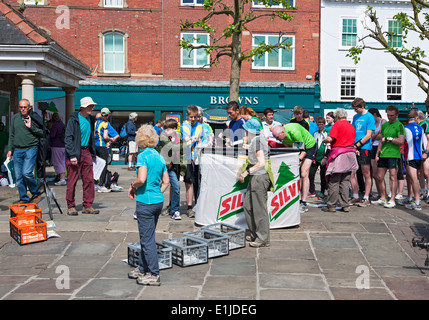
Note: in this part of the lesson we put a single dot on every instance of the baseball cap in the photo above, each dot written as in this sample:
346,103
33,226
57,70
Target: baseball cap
105,111
252,125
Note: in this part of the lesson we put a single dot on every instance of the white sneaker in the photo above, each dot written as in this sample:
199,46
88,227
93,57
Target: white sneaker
390,204
103,189
399,196
380,202
176,216
61,183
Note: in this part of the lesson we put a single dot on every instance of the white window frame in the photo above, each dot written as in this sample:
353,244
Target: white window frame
266,67
399,35
292,2
112,4
182,51
341,31
193,4
123,52
402,86
347,98
33,2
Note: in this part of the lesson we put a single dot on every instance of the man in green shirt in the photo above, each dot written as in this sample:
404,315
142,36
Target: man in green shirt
288,135
25,132
388,154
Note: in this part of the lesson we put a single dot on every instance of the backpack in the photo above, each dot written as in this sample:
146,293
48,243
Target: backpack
123,133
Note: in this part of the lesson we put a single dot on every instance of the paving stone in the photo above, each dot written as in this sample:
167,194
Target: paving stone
233,266
292,281
110,288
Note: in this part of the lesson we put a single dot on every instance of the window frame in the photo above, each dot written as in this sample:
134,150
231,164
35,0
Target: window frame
348,33
182,50
394,38
401,86
193,4
102,68
266,67
279,6
348,69
113,6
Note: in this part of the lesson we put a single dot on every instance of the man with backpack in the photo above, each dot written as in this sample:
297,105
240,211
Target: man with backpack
132,145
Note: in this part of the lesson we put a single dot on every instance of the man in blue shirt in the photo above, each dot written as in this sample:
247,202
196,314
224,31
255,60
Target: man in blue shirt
236,131
103,138
364,123
416,153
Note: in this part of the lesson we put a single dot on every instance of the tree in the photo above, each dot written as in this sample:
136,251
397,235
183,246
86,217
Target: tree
413,58
229,43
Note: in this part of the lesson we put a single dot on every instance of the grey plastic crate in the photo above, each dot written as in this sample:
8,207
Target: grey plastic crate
217,243
164,255
187,251
236,235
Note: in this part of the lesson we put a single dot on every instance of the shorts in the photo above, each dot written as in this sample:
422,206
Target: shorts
132,147
374,152
311,153
364,156
389,163
191,173
416,164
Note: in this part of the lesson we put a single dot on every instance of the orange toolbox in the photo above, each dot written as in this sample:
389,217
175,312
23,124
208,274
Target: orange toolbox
25,208
27,228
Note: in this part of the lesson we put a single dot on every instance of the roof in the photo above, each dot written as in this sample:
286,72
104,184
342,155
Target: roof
16,29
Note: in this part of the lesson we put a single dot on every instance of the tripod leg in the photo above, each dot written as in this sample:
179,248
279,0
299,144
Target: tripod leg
48,199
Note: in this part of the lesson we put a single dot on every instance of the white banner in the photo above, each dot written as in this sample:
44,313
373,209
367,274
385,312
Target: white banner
222,194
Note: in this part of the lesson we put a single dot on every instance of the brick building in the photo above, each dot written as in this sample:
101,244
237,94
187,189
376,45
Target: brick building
132,48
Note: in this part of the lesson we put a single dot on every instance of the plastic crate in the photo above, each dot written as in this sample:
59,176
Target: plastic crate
236,235
164,255
187,251
25,208
217,243
27,229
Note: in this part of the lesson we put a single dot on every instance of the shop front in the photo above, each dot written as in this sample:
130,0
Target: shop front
159,99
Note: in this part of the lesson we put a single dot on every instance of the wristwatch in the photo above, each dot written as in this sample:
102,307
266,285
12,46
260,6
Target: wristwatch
389,139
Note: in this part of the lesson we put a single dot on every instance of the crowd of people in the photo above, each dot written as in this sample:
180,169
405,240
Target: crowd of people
351,158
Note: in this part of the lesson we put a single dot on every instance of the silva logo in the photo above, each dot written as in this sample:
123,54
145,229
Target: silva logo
286,194
231,203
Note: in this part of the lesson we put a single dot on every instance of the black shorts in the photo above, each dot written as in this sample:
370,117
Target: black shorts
191,173
416,164
389,163
364,156
311,153
374,152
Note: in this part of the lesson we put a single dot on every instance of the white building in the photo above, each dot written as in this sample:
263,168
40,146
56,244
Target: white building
378,78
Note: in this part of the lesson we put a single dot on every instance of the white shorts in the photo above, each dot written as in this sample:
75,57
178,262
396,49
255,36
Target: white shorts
132,147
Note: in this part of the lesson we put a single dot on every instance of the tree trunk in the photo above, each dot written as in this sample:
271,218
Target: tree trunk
234,80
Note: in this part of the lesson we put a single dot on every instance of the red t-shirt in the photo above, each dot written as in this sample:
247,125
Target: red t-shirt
344,134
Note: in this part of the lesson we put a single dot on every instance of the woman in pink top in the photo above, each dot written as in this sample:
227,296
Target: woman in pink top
341,162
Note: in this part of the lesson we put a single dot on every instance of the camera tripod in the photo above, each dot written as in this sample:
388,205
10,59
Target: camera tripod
424,244
43,187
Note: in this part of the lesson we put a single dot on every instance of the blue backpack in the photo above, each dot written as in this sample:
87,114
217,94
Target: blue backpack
123,133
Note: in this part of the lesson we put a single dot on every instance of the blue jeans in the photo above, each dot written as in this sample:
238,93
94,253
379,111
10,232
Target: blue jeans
147,218
24,161
175,194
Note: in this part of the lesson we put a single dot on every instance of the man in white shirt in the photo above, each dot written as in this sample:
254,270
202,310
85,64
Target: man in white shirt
269,124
